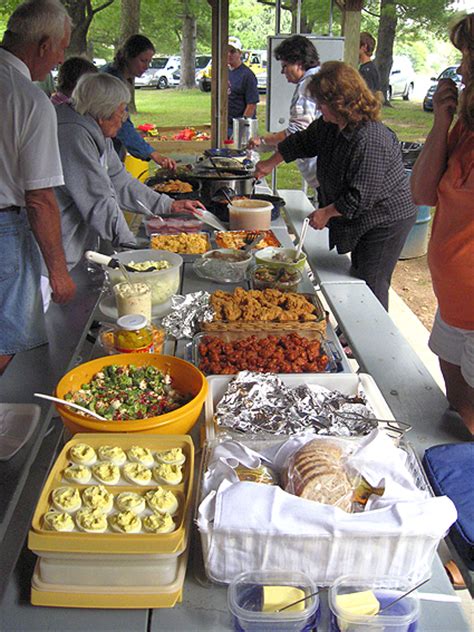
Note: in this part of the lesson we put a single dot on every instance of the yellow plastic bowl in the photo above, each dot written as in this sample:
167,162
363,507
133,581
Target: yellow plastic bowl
186,379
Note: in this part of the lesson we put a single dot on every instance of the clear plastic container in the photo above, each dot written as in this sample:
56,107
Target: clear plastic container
163,283
401,617
280,258
223,265
245,598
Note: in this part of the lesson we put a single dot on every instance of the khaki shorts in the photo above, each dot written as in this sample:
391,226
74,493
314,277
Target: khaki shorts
455,346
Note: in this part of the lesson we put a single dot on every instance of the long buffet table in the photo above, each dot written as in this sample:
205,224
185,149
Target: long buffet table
71,333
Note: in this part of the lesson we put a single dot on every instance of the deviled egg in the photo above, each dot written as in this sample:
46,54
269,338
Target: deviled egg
82,454
130,501
174,456
97,497
159,523
58,521
169,474
137,454
91,520
66,498
106,472
137,473
112,453
77,473
126,522
162,500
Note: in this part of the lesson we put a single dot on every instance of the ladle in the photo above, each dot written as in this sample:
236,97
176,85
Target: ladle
58,400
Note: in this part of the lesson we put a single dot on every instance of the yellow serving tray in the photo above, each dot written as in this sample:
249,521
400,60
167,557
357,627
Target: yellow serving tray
43,540
58,596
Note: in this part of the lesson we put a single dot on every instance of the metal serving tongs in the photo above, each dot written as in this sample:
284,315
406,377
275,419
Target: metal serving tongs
394,428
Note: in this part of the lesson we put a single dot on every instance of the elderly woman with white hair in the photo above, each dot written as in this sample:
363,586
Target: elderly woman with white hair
96,184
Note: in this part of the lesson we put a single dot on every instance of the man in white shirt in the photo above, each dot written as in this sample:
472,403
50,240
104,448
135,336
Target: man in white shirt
38,32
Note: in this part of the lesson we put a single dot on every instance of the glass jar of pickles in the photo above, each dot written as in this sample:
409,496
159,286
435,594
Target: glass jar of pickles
133,335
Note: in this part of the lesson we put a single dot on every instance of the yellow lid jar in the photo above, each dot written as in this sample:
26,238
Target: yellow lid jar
133,335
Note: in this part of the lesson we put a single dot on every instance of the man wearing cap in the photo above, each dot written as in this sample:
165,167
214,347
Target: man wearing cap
38,32
243,90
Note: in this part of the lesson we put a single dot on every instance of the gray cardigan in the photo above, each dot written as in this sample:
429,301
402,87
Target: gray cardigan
96,187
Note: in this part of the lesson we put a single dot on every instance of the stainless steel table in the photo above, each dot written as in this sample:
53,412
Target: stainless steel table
204,606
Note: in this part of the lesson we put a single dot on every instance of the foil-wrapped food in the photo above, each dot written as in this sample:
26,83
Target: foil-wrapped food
256,403
186,313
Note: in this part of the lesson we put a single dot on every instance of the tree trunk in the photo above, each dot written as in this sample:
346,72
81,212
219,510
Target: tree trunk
81,13
129,18
385,38
81,21
129,25
352,37
188,49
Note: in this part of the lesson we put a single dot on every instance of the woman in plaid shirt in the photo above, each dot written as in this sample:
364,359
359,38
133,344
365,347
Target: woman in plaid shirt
364,194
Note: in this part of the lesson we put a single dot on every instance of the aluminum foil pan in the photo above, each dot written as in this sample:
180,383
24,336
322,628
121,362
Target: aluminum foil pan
186,313
255,403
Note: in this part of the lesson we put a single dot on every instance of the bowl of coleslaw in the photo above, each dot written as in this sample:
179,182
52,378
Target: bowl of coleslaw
135,392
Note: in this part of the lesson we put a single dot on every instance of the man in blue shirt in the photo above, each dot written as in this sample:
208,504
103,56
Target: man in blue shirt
243,90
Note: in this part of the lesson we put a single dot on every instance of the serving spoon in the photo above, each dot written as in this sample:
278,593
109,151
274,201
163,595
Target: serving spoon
58,400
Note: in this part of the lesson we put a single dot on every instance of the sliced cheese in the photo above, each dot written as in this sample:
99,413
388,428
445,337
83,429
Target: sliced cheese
363,603
277,597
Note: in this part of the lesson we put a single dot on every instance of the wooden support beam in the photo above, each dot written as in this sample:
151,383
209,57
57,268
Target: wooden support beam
220,36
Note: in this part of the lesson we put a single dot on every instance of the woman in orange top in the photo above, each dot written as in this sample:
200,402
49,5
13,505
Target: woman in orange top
444,175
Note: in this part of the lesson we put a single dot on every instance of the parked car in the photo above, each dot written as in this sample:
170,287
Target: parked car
448,73
402,78
256,60
160,74
203,77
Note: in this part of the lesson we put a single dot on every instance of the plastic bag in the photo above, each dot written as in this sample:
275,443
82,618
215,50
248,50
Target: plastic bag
316,471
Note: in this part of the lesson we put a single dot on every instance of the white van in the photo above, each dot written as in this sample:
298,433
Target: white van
162,73
402,78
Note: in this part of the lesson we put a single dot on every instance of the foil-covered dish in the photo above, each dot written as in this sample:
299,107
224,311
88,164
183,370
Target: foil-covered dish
256,403
186,313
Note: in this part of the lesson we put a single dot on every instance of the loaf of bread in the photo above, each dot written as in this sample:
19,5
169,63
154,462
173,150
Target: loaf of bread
316,472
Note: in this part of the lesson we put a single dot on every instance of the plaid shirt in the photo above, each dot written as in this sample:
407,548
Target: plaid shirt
360,170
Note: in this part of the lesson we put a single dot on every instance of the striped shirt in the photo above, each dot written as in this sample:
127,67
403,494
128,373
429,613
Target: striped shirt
360,171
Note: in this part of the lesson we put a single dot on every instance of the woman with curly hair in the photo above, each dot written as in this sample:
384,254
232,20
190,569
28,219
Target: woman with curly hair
444,176
364,195
131,60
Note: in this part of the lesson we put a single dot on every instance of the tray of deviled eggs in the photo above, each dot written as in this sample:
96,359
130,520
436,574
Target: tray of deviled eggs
117,494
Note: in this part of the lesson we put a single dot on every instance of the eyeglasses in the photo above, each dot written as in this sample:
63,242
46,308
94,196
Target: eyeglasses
122,115
232,51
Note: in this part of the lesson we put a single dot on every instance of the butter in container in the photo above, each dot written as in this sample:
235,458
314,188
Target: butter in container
256,599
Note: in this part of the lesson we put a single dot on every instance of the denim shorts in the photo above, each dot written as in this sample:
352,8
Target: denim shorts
22,324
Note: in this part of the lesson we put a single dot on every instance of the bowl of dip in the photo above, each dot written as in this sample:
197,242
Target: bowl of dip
280,258
163,280
223,265
250,214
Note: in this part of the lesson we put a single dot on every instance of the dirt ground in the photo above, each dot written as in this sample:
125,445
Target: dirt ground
412,282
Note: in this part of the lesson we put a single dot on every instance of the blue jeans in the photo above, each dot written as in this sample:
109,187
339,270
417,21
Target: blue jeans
376,254
22,323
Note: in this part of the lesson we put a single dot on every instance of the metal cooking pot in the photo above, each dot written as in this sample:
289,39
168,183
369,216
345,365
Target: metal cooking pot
244,129
212,183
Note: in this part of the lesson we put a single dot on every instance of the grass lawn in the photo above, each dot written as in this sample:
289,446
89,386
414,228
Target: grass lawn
193,108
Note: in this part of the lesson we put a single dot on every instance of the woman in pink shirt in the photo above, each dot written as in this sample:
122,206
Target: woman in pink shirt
68,76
